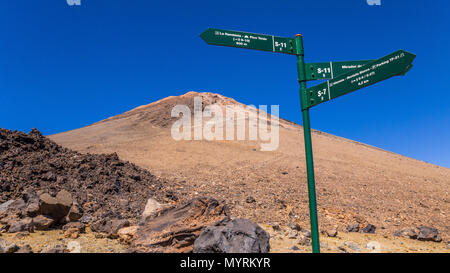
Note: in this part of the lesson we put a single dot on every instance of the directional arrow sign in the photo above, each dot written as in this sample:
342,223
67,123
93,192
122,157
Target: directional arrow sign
330,70
247,40
397,63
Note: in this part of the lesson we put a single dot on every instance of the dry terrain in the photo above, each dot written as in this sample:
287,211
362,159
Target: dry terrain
356,183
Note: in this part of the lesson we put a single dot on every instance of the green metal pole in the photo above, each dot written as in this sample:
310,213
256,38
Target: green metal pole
308,145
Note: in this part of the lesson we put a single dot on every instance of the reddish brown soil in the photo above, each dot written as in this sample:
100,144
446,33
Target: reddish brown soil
355,182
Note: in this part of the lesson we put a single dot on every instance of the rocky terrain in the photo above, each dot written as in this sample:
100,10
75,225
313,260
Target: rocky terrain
125,185
356,183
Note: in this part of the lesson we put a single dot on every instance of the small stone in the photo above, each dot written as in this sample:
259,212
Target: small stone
72,233
276,227
54,249
342,249
25,249
22,235
369,229
75,213
353,228
293,234
7,247
295,226
76,225
408,233
42,222
57,208
127,234
303,241
305,233
331,233
352,246
295,248
151,208
428,234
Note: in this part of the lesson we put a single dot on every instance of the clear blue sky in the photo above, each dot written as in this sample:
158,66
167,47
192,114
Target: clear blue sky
64,67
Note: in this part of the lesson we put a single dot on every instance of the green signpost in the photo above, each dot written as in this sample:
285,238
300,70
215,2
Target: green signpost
343,78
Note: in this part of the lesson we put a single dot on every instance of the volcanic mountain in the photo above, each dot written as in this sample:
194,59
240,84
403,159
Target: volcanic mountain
356,183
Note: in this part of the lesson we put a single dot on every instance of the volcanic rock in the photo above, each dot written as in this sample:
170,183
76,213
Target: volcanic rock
22,225
151,208
80,227
7,247
56,208
175,229
34,165
369,229
25,249
237,236
110,227
408,233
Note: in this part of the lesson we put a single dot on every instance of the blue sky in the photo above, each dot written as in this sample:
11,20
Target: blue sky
64,67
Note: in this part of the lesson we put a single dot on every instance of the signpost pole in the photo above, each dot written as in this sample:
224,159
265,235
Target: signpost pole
308,145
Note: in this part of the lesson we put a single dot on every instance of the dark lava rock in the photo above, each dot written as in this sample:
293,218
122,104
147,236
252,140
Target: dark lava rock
369,229
428,234
32,164
353,228
25,249
110,227
237,236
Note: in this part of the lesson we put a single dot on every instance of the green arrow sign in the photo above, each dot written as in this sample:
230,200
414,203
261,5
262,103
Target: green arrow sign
248,40
397,63
330,70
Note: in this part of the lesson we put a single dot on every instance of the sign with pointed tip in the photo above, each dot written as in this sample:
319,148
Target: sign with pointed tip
249,40
330,70
397,63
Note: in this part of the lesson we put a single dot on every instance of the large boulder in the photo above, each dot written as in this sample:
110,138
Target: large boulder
175,229
58,207
237,236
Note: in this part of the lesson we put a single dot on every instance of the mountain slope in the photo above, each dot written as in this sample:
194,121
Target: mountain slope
355,182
